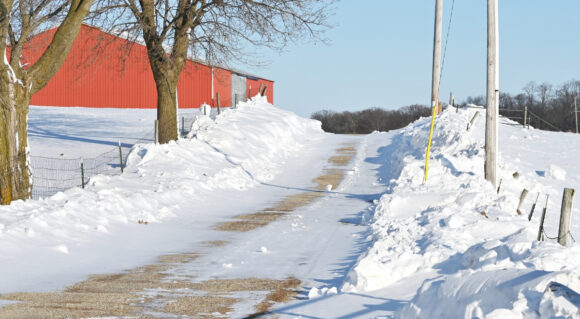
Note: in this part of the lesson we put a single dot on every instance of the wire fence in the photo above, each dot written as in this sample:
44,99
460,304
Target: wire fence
524,117
555,239
51,175
545,122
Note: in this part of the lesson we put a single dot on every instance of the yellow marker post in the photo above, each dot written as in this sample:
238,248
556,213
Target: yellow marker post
434,113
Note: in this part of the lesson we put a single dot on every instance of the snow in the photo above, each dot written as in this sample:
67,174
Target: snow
556,173
73,132
476,266
324,291
381,244
160,183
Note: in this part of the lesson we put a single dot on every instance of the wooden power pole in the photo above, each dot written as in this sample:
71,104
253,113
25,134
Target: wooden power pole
492,112
576,113
436,77
436,54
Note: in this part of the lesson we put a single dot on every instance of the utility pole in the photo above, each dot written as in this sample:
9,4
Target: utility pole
492,112
435,79
576,112
436,54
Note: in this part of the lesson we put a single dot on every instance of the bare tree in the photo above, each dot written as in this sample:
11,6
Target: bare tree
369,120
530,91
551,107
544,92
21,77
218,31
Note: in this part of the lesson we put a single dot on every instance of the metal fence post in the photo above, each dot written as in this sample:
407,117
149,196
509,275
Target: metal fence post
219,110
183,125
533,207
156,132
82,174
121,156
541,230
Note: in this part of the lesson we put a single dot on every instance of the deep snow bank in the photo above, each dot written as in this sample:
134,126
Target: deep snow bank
241,147
237,149
481,258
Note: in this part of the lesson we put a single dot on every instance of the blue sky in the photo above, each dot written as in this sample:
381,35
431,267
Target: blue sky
380,53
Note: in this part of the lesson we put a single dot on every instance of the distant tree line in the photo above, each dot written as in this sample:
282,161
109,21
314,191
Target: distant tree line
555,105
369,120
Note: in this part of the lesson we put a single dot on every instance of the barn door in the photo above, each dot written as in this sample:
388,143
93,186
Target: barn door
238,89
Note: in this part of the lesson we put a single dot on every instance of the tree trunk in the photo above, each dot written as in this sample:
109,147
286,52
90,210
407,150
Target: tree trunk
17,85
166,106
15,180
166,67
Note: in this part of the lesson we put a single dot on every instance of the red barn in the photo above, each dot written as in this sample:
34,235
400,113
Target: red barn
103,70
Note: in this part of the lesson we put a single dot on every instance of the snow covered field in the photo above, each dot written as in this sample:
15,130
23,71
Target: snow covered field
382,244
72,132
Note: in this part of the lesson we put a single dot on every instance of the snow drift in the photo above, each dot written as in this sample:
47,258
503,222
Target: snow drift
236,151
478,258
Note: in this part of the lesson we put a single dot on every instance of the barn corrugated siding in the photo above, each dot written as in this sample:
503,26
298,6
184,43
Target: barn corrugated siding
102,70
222,82
194,85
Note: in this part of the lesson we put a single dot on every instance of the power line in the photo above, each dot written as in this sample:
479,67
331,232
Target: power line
447,40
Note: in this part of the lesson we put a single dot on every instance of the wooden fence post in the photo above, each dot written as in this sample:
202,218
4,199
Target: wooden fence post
541,230
522,198
263,92
219,110
525,115
470,124
565,217
529,120
533,207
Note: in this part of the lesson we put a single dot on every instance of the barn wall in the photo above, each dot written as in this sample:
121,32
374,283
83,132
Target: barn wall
194,86
270,91
222,83
118,75
102,70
